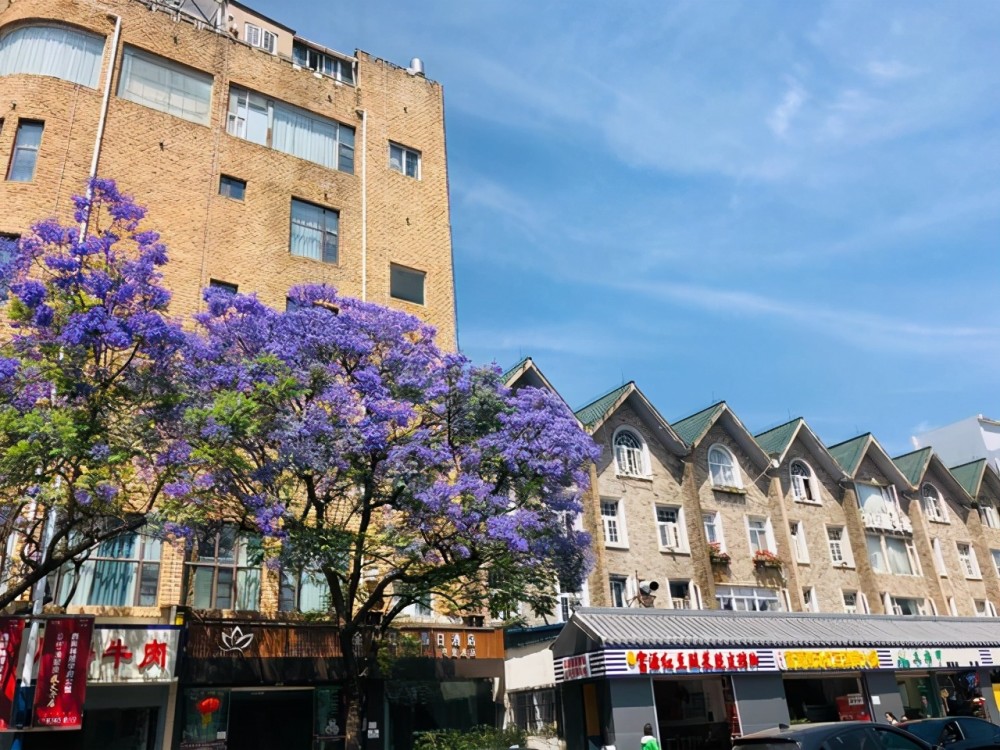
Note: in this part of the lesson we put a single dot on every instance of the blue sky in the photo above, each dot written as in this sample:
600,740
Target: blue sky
794,207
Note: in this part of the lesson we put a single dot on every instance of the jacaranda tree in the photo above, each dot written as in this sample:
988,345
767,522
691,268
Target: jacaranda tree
392,470
87,394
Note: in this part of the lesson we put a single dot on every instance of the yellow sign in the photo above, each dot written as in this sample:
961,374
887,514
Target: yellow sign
831,660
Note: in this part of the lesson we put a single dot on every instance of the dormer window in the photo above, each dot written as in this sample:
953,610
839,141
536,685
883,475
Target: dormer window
803,483
932,504
724,470
260,37
630,454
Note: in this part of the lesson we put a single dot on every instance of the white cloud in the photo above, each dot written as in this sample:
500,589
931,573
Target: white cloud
781,116
890,70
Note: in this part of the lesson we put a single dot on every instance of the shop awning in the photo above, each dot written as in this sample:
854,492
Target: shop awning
596,629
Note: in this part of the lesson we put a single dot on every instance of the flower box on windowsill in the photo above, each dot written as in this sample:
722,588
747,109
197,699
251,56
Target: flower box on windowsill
765,559
716,556
729,490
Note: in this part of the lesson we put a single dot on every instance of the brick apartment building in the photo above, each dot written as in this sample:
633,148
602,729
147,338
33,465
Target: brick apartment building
265,160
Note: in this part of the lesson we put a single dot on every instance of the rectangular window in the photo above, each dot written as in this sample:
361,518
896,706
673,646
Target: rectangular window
290,129
989,516
262,38
748,599
797,532
614,533
759,530
121,572
618,585
225,571
908,607
984,608
314,233
224,286
405,160
876,555
810,600
995,554
939,565
713,530
970,565
329,65
8,246
568,604
406,284
307,591
669,524
900,554
851,602
165,86
232,187
24,157
840,548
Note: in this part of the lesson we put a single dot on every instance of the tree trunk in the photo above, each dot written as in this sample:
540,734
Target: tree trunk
354,695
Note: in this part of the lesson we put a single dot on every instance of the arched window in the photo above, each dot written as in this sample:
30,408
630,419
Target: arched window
803,482
723,468
50,50
931,501
629,453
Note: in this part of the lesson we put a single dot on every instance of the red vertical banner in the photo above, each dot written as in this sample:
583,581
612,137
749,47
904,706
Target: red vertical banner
62,672
11,629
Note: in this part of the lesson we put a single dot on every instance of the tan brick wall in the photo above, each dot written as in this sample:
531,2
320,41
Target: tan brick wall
173,166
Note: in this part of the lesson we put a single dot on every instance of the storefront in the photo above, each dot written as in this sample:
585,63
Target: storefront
250,685
703,677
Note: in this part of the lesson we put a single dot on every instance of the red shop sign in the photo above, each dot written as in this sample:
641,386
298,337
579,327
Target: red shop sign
11,629
692,661
62,672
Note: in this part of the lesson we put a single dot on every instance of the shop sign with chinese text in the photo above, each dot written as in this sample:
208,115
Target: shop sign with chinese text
62,672
11,629
123,654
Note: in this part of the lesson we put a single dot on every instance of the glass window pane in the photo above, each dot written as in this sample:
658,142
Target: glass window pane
406,284
165,86
148,581
248,589
65,53
224,588
113,583
202,587
25,154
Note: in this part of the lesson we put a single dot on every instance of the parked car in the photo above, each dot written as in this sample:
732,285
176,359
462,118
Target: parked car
836,735
955,732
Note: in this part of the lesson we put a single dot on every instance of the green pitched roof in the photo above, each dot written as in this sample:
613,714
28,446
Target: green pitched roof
691,429
510,373
592,412
774,441
849,453
913,465
970,475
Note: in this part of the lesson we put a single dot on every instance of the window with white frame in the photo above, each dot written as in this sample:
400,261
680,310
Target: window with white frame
724,470
619,587
840,546
804,486
850,602
897,605
984,608
989,516
940,568
614,523
952,606
568,604
52,50
713,530
892,555
809,599
404,160
797,533
257,36
748,599
967,557
290,129
670,525
875,499
933,505
630,453
683,595
338,68
995,554
760,534
165,86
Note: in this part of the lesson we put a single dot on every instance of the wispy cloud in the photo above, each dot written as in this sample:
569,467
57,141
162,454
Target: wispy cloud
781,117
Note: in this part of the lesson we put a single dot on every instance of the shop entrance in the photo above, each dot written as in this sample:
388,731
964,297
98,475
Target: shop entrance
693,713
268,719
939,694
826,698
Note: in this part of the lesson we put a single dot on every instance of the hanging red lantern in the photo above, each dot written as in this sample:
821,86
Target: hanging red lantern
206,707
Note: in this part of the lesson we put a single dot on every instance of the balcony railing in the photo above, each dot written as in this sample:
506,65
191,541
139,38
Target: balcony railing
680,603
887,522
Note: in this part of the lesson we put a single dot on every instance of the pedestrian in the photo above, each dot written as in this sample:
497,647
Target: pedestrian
648,741
891,718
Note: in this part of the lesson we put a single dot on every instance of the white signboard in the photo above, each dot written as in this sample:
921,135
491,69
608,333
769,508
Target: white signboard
133,655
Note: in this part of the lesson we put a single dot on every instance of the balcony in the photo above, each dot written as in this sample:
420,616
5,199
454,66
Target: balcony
680,603
887,522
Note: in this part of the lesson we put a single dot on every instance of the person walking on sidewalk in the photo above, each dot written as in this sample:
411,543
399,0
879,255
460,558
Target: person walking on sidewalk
648,741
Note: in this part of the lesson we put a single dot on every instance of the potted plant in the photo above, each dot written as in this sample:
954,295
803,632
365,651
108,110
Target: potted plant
763,558
716,556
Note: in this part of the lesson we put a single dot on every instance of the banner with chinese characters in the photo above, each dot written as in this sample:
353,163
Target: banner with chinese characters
62,672
11,629
139,654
